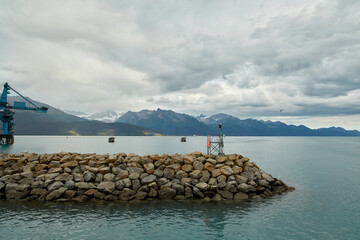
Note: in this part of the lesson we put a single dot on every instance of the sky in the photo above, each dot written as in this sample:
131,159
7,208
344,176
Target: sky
296,61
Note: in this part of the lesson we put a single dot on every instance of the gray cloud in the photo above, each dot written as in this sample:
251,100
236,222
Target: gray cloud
245,58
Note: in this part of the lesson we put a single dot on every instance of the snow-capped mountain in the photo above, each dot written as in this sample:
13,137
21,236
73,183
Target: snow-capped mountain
107,116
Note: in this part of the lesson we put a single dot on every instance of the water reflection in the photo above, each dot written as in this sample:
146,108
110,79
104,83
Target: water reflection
155,219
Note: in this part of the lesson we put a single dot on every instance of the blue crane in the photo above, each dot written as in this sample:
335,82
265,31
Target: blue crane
6,113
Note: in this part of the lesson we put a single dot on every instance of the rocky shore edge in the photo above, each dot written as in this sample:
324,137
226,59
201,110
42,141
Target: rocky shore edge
126,177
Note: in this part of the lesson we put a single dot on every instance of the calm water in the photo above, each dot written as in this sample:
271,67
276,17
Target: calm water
325,205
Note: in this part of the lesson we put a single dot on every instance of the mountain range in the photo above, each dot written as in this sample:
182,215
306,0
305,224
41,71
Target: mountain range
155,122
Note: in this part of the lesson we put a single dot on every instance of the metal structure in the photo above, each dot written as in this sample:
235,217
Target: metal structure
215,143
7,113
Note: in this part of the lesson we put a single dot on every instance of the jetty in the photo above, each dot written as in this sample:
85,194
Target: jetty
126,177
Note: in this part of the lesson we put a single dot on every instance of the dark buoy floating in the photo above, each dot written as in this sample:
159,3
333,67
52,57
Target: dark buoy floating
111,139
183,139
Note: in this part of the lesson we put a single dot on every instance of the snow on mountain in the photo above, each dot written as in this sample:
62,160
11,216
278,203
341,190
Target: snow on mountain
108,116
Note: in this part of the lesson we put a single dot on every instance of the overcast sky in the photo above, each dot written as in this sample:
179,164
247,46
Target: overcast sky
244,58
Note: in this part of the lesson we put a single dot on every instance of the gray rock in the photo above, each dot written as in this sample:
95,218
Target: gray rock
38,191
127,194
135,170
243,187
2,186
106,186
158,173
161,181
202,186
127,182
55,194
197,192
231,187
167,193
149,179
13,194
141,195
153,193
212,181
99,178
123,174
135,184
198,165
226,194
248,175
109,177
119,185
205,177
70,184
263,183
185,181
188,192
178,187
51,176
115,170
240,196
149,168
134,175
181,174
82,185
64,177
217,197
169,173
78,177
54,186
195,174
241,179
88,176
267,177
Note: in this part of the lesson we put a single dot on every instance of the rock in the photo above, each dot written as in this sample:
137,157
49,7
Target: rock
135,184
70,184
55,170
267,192
202,186
99,178
149,168
167,193
106,186
158,173
248,175
119,185
127,194
51,176
104,170
110,198
241,179
198,165
217,197
195,174
263,183
212,181
78,177
134,175
68,194
181,174
221,180
141,195
109,177
149,179
243,187
178,187
267,177
240,196
82,185
231,187
127,182
135,170
55,194
38,191
209,166
278,189
175,166
123,174
187,168
226,194
236,169
205,176
13,194
64,177
54,186
215,173
91,192
188,193
169,173
153,193
226,170
88,176
221,159
2,186
70,164
197,192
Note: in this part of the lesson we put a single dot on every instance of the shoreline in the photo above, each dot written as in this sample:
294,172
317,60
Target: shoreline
128,177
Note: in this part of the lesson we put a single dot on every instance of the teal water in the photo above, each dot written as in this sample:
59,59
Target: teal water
325,205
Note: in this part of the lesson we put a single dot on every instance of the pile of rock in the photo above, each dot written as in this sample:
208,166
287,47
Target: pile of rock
80,177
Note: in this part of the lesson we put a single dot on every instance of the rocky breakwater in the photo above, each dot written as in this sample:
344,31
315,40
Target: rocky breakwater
81,177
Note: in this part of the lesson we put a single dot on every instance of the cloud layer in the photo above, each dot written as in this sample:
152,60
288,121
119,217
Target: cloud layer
246,58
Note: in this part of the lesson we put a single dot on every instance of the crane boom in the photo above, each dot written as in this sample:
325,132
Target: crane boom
6,113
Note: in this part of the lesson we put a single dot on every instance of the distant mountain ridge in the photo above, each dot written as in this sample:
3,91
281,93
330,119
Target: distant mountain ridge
57,122
155,122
